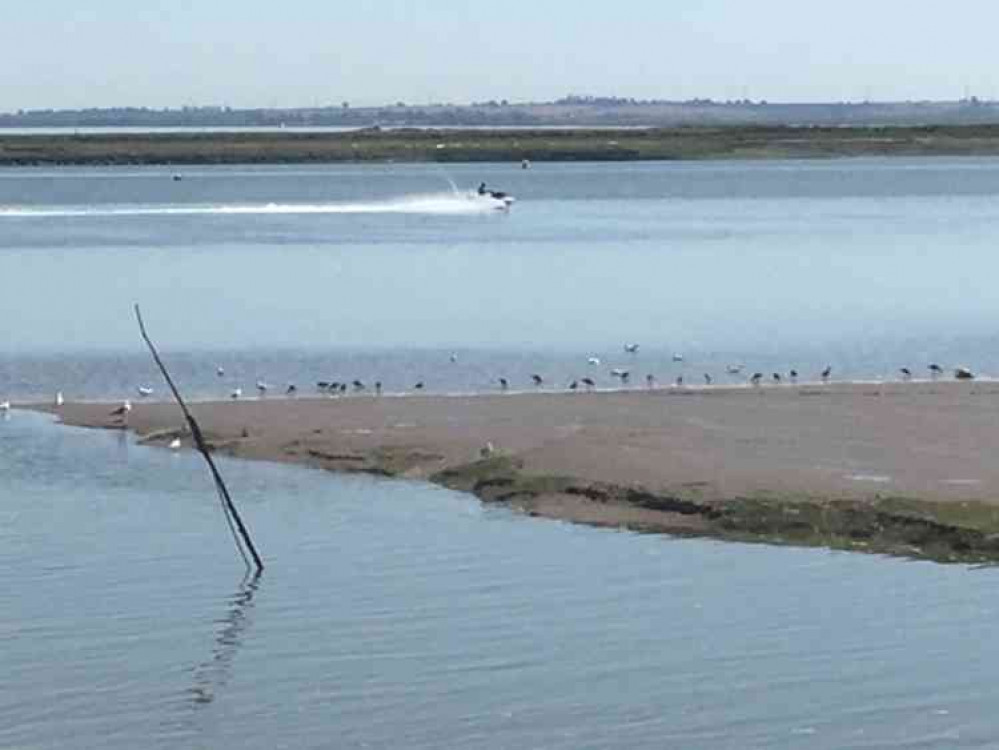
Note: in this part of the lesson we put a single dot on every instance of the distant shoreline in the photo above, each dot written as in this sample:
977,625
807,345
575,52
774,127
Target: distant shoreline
406,145
897,468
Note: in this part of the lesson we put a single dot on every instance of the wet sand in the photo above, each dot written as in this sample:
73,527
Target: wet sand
665,460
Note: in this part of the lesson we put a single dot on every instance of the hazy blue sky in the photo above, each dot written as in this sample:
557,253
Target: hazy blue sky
68,53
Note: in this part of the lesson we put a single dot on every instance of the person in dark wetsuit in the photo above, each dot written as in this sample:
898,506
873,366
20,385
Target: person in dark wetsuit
482,189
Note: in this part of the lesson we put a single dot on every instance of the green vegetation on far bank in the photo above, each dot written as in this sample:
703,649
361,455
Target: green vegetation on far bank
411,145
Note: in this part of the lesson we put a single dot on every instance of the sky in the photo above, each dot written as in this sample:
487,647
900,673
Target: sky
301,53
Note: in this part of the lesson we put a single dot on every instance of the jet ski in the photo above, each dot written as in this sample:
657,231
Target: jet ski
502,200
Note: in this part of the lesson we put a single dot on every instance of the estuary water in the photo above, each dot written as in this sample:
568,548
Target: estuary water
404,615
383,272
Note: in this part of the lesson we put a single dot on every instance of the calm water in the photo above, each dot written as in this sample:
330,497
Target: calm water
380,272
403,615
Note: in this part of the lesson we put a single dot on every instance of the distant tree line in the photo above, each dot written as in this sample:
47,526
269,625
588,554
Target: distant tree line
573,110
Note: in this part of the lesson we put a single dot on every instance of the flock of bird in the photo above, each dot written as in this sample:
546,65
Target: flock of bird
588,383
621,374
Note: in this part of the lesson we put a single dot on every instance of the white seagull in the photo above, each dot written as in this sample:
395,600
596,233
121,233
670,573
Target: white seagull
220,371
593,361
4,406
262,387
236,393
59,400
631,348
144,391
175,444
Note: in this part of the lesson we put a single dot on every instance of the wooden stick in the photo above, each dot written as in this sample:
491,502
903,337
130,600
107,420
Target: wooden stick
232,516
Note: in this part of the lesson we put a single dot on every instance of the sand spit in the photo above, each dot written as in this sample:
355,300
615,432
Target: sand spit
901,468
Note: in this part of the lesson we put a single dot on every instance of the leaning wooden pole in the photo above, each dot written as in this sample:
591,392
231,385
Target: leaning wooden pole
232,516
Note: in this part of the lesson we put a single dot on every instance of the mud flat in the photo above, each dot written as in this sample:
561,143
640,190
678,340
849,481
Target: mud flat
499,145
898,468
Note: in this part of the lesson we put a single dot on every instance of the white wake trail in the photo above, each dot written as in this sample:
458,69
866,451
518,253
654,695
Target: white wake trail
441,204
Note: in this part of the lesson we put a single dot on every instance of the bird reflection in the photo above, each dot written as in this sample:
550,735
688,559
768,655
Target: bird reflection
213,674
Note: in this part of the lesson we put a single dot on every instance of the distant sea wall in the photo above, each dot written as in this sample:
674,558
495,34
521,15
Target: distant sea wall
496,145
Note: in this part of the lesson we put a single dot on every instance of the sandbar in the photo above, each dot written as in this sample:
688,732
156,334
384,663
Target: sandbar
901,468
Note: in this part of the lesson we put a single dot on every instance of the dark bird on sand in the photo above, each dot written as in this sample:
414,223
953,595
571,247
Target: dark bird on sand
935,369
905,372
793,375
827,372
707,379
573,385
757,377
358,385
776,377
292,388
588,382
378,387
418,386
122,411
504,383
538,380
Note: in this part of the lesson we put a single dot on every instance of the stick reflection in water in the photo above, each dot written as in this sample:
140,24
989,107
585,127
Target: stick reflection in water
212,675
